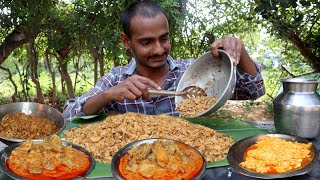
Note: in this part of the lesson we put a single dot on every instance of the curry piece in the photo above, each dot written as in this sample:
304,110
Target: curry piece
161,160
194,106
105,138
272,155
21,126
47,160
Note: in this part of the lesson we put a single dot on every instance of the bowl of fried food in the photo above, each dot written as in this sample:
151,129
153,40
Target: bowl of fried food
270,156
49,158
215,76
28,120
158,158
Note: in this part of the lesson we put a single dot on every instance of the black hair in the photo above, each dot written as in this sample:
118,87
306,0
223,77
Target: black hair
144,8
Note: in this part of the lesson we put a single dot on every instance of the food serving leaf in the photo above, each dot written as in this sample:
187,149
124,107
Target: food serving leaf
236,129
88,119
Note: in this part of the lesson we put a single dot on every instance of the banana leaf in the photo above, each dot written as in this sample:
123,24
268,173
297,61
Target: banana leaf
235,128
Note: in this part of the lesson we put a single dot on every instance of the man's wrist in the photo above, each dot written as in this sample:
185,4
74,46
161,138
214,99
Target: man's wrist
107,97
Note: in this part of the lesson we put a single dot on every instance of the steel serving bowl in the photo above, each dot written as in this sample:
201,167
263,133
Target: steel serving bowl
5,153
116,158
237,150
216,76
32,108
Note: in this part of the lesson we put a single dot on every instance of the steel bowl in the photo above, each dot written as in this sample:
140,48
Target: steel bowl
5,153
32,108
116,158
216,77
237,150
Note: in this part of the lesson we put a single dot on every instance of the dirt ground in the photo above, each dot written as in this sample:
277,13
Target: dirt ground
245,110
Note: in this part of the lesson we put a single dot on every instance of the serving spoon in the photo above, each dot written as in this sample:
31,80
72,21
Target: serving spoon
188,92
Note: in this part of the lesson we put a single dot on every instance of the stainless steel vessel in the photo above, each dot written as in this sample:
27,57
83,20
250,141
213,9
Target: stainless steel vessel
297,108
216,76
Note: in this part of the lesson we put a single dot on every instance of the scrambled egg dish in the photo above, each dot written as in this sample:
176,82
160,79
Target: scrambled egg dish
271,155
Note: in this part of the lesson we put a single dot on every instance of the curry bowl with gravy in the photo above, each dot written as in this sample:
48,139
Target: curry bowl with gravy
158,158
269,156
49,158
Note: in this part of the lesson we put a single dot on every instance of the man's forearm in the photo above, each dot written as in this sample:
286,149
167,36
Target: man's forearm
94,104
246,64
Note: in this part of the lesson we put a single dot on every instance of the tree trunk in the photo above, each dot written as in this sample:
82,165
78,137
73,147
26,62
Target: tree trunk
63,69
98,58
25,80
24,92
65,76
77,64
53,78
101,64
34,60
15,39
14,96
95,70
63,87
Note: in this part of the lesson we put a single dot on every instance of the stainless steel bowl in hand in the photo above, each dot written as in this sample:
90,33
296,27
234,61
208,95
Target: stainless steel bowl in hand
216,76
32,108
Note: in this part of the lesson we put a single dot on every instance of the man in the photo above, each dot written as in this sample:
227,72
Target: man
146,35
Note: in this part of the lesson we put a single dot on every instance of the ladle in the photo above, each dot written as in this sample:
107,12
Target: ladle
188,92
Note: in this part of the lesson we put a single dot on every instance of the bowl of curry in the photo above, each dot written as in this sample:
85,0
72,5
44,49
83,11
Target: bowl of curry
47,159
269,156
158,158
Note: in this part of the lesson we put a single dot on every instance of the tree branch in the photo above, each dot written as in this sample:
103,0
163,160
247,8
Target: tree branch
14,96
15,39
285,69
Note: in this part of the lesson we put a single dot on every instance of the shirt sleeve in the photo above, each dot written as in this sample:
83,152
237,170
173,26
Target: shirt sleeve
249,87
73,107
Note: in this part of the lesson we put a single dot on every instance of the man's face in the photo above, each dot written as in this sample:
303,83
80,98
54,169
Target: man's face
150,40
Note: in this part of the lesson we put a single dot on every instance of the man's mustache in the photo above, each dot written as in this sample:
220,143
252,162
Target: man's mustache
157,56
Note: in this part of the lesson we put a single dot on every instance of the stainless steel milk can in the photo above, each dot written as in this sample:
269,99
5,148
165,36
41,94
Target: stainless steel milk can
297,108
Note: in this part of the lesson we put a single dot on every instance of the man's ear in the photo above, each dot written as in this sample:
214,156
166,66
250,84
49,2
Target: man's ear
125,41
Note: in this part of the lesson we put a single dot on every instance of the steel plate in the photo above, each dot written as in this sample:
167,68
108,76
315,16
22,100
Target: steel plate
237,150
5,153
32,108
126,148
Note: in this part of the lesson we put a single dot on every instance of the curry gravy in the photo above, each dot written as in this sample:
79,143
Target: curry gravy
161,160
47,160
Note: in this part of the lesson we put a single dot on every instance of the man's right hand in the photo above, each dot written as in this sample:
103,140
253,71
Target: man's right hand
133,88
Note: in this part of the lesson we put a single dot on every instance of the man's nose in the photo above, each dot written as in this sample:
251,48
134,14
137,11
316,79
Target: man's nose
158,48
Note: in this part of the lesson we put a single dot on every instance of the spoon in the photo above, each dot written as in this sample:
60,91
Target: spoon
188,92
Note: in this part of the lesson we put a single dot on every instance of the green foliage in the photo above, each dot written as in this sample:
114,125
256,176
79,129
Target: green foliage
294,21
85,24
24,14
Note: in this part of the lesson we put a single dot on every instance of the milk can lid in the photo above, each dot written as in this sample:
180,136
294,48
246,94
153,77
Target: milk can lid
300,80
